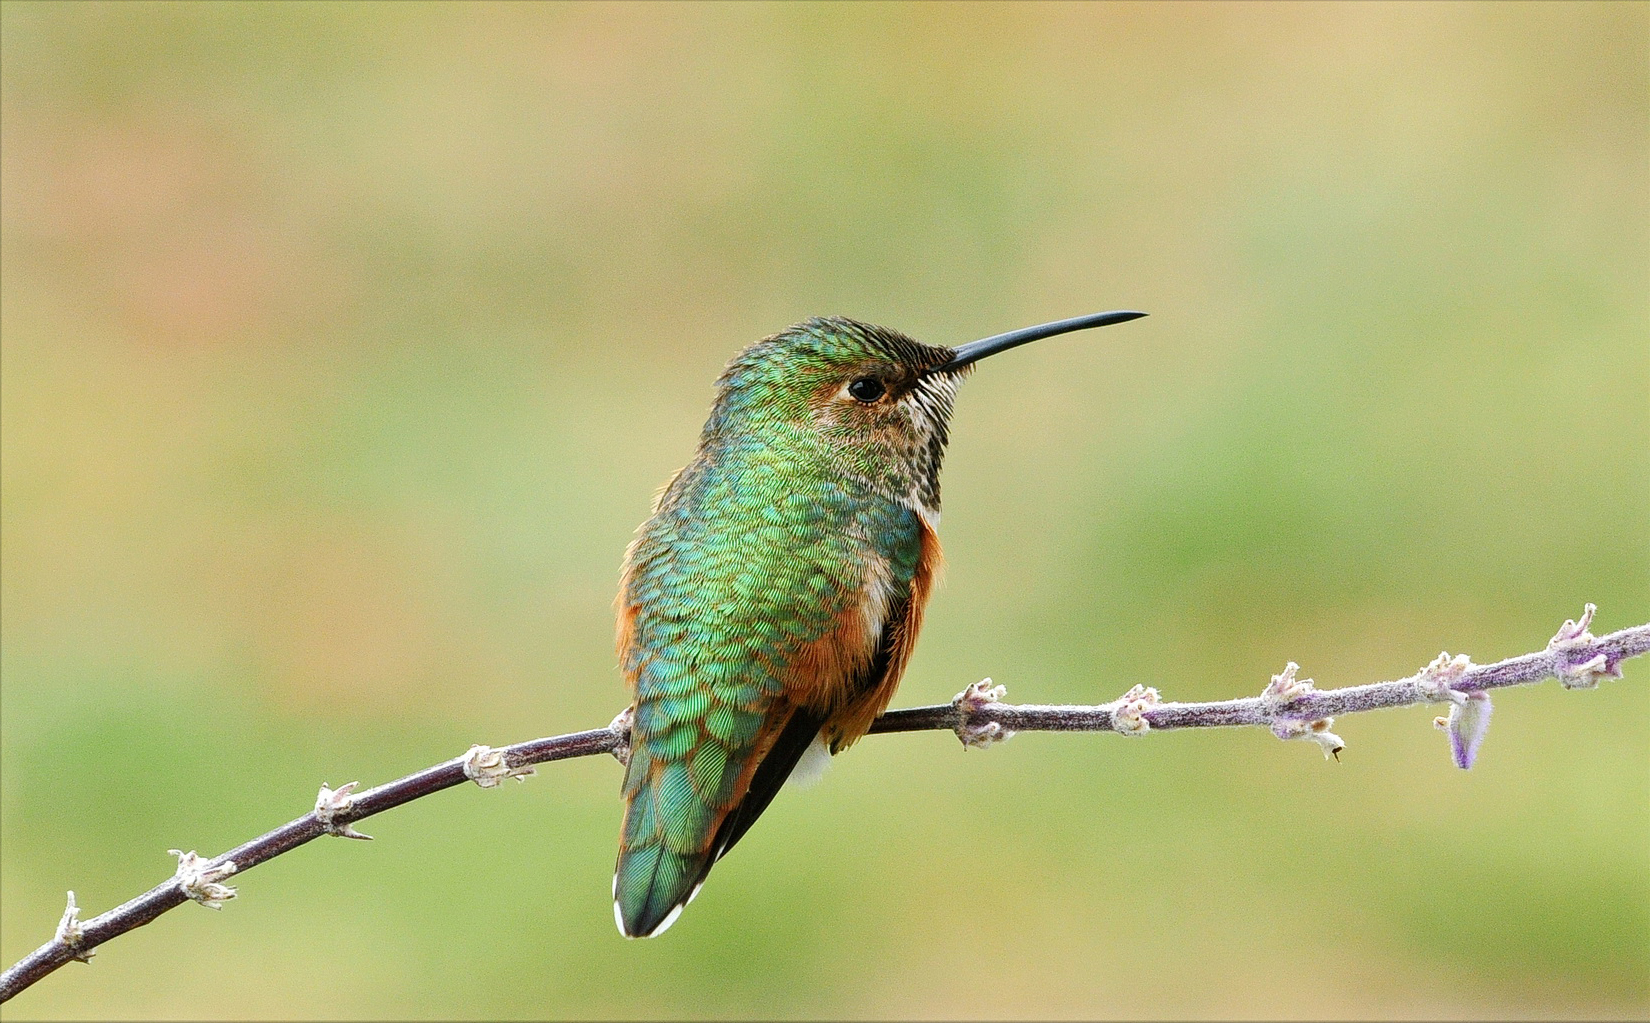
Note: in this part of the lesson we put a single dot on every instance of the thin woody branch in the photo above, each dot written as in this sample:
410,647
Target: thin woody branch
1291,708
1573,656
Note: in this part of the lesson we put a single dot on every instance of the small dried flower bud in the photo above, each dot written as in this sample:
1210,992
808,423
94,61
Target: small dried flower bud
1573,634
330,803
199,878
1586,675
1313,731
969,703
620,726
70,933
983,736
1129,716
1285,688
1435,679
485,766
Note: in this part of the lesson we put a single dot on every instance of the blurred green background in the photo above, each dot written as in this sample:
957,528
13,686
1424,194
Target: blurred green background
345,345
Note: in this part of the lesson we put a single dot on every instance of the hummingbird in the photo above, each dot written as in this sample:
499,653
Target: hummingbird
768,606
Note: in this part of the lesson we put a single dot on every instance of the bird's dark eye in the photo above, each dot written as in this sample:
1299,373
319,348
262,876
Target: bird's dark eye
867,389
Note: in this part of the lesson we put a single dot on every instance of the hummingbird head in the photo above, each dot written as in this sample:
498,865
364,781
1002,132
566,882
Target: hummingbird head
873,403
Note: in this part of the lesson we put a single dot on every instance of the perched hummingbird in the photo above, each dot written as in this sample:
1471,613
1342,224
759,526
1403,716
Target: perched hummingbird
769,604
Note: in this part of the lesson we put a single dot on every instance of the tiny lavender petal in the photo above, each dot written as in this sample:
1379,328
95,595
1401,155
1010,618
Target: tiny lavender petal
1467,723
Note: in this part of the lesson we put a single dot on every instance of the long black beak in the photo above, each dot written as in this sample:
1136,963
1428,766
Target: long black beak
977,350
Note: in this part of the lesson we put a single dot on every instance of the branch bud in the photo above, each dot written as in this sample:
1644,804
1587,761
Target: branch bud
1313,731
1284,691
620,726
69,932
1574,636
485,766
1129,716
199,878
1435,679
1285,688
329,804
970,702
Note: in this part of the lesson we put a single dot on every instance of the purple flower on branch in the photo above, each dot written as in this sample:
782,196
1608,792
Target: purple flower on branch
1469,719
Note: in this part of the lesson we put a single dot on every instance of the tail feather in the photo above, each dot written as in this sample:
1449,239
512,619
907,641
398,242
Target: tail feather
667,853
650,887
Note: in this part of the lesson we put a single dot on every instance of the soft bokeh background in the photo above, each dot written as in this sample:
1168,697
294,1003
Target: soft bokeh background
345,345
